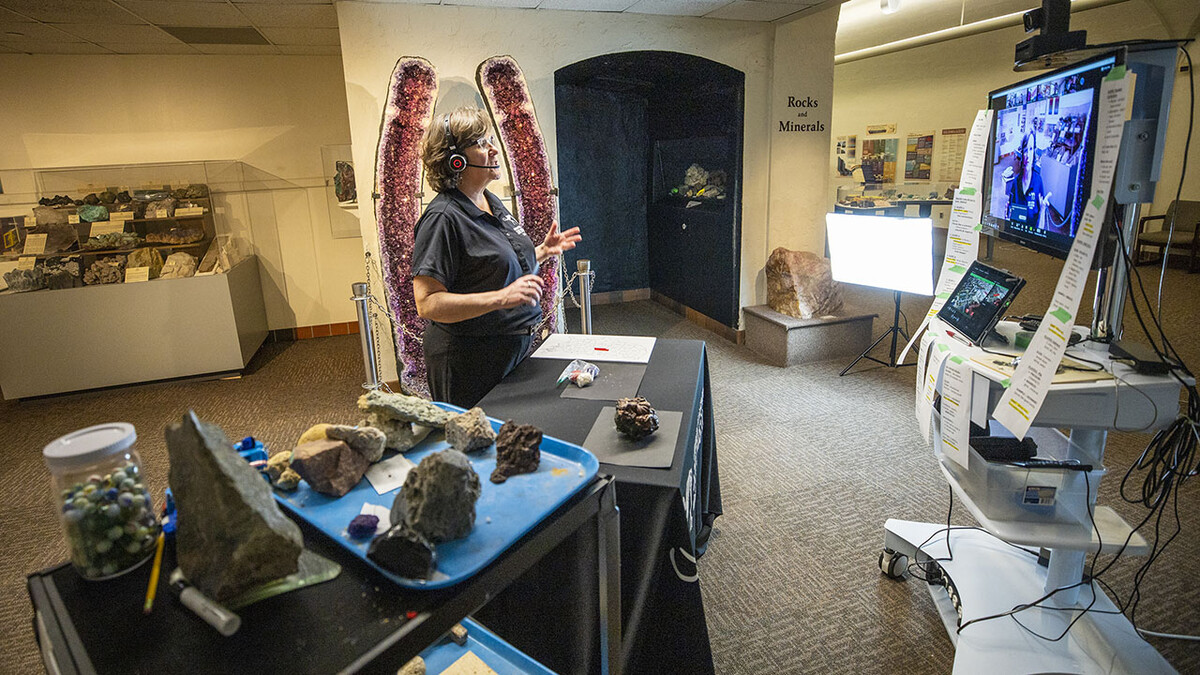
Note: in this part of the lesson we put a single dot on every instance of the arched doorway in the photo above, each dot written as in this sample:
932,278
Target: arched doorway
632,128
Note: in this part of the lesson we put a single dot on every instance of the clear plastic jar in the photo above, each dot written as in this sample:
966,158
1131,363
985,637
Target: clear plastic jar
106,510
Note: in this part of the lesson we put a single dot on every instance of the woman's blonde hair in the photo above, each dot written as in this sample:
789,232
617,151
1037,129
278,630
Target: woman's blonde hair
467,125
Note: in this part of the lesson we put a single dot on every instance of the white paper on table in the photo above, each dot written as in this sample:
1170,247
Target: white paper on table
936,358
962,233
1031,381
382,512
614,348
389,474
956,409
922,405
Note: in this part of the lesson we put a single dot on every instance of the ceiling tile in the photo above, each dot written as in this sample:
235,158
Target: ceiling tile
310,50
588,5
123,34
39,47
676,7
297,16
862,25
977,10
190,13
21,32
237,49
750,10
149,47
71,11
302,36
507,4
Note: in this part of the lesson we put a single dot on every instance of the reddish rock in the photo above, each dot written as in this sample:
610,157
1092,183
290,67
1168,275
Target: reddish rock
800,284
330,467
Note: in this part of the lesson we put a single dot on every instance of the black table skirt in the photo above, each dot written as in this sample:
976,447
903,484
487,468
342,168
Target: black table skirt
666,519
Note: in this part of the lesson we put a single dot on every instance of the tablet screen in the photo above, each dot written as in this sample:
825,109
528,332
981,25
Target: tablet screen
979,299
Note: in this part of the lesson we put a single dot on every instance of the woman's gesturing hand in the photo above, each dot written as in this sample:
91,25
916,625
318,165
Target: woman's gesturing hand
524,291
556,243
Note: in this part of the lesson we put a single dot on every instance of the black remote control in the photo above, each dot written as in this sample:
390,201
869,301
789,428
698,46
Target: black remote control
1072,464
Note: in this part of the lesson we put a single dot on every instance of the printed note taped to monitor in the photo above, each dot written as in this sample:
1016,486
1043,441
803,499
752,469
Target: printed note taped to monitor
619,348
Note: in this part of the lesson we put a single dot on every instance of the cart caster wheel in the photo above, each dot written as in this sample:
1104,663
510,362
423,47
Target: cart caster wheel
892,564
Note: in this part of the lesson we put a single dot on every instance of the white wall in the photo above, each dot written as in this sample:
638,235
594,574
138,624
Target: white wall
272,113
457,39
942,85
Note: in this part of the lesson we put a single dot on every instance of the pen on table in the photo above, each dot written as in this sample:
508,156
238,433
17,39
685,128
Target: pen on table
152,589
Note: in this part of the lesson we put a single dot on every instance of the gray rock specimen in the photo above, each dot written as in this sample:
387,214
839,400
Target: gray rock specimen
109,270
196,191
146,257
167,205
404,408
470,431
518,450
108,197
401,436
23,281
179,266
48,215
59,236
176,235
329,466
231,536
91,199
365,440
404,553
279,470
63,275
113,240
438,497
92,213
800,284
635,418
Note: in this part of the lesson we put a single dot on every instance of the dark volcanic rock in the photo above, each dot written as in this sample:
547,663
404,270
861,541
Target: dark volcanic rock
329,466
517,450
635,418
470,431
403,552
231,536
438,497
91,199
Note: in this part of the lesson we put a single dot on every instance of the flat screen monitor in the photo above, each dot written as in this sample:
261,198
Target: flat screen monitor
1038,171
881,251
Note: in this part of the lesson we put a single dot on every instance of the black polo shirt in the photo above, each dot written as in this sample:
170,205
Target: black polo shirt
470,251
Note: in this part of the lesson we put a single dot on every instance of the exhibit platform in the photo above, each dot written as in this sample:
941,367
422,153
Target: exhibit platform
787,341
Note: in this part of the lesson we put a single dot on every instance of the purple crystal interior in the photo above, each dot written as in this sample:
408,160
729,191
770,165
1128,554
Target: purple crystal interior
504,88
411,95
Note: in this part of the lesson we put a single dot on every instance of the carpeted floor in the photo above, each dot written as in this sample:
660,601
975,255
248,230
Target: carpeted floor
811,466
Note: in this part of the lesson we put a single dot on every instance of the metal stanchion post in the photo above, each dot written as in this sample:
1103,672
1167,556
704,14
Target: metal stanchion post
362,296
584,267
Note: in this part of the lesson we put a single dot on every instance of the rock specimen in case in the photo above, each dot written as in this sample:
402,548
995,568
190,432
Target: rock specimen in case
108,197
800,284
362,526
365,440
403,552
343,182
59,236
92,213
230,537
48,215
123,197
179,193
113,240
179,266
279,470
438,497
161,208
329,466
470,431
407,408
65,274
175,235
23,281
196,191
635,418
91,199
518,450
109,270
146,257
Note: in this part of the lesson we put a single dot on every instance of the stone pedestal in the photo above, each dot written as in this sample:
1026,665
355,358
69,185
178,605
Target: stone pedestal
785,341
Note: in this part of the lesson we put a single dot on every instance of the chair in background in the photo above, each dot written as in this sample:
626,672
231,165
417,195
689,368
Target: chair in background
1186,238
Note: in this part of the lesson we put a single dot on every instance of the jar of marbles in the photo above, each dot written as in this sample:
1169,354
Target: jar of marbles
106,510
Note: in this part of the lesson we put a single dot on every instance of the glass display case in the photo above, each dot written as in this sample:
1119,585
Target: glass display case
692,170
341,190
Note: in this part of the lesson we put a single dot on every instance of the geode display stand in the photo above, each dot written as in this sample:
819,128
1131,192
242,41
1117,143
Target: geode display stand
786,341
100,336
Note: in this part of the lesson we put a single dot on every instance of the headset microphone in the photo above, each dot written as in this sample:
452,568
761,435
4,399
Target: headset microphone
485,166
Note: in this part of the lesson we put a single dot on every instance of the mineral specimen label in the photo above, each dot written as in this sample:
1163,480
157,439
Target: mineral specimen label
189,211
26,262
35,244
73,219
135,274
106,227
120,215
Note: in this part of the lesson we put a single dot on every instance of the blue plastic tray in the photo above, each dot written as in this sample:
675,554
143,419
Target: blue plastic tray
503,514
494,652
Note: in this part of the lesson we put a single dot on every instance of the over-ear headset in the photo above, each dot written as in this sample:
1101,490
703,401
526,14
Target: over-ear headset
457,162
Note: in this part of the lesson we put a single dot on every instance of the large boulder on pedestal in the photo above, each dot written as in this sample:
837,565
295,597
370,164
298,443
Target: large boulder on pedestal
231,536
800,284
